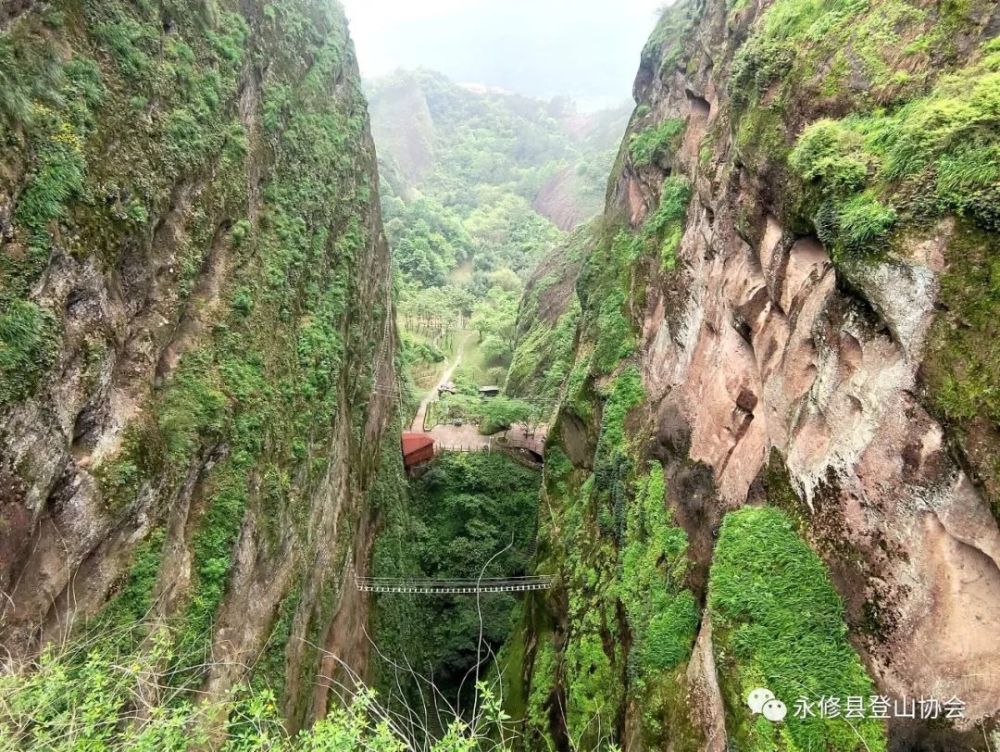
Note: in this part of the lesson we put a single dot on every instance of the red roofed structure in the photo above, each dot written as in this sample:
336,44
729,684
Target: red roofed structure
417,448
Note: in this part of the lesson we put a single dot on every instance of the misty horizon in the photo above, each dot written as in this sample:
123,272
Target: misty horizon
587,52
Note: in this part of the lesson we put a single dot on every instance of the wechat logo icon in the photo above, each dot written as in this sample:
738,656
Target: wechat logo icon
763,702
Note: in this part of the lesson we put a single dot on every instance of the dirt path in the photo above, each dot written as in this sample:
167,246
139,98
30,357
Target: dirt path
467,436
418,421
447,436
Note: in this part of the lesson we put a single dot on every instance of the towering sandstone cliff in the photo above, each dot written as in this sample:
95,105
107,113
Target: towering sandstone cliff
775,463
194,308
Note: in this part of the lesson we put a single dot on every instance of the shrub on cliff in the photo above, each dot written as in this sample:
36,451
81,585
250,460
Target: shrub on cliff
656,143
937,154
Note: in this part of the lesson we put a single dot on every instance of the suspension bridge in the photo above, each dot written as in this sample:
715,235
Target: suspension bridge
425,586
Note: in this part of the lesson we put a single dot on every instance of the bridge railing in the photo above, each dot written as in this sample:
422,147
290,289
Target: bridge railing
439,448
427,586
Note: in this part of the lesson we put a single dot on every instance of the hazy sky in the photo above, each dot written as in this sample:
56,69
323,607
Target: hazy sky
584,49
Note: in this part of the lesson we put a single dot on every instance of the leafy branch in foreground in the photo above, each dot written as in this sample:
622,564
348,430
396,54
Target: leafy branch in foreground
91,696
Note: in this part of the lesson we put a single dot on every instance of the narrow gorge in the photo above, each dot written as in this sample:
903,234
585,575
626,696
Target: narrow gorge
724,388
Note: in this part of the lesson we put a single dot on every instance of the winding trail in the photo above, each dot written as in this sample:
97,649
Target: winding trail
418,421
467,437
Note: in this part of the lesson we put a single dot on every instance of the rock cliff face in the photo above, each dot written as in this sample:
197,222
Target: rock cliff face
779,310
194,310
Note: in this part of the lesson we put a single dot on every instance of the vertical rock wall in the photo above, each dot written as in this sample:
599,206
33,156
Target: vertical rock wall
194,310
784,262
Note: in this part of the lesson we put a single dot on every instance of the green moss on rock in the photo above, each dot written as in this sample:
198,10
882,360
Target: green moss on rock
935,155
778,623
961,368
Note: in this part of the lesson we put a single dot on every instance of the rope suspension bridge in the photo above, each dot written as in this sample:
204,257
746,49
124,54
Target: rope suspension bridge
453,586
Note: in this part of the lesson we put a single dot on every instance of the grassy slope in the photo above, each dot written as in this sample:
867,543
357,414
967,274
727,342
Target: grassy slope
778,623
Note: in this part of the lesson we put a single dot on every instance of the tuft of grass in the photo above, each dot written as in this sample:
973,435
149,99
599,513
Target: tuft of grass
30,73
663,229
657,143
615,338
56,179
758,63
28,346
938,154
626,393
666,224
830,152
593,690
779,623
863,222
543,680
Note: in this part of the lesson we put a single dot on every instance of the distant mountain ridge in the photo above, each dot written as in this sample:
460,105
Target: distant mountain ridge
548,152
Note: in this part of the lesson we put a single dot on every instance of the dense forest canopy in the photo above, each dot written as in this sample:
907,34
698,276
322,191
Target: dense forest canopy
477,185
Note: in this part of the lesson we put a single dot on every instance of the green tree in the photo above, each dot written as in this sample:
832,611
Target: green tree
500,413
495,318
